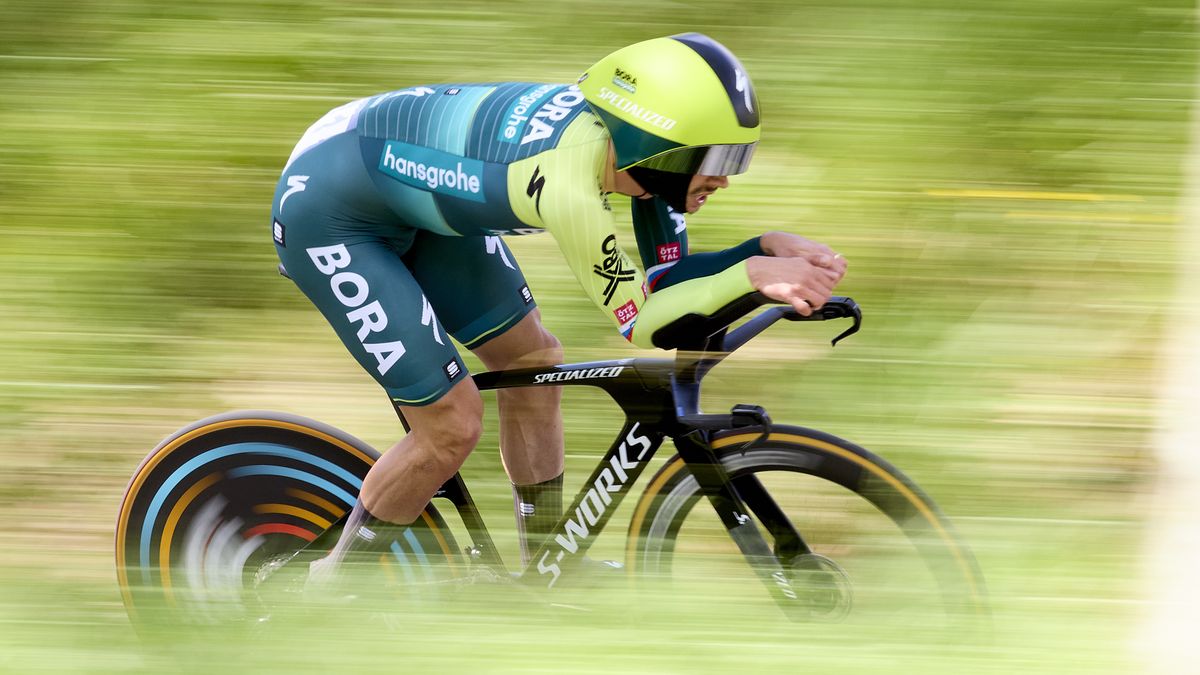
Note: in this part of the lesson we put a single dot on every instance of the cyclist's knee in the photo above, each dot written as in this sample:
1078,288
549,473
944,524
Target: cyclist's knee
451,426
549,351
526,344
458,437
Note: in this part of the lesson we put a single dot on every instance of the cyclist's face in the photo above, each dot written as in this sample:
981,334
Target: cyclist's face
701,187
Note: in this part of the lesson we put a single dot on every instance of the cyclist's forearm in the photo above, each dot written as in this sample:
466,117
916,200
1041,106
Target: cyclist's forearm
698,265
703,295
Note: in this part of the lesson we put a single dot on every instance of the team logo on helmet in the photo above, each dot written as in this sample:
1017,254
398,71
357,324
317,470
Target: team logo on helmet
624,80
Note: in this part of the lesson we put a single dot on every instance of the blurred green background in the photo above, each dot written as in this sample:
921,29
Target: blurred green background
1004,178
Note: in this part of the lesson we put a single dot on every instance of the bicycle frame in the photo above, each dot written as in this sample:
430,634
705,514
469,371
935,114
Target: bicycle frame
660,398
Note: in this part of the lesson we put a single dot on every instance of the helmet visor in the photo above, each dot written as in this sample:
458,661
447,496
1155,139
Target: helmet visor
706,160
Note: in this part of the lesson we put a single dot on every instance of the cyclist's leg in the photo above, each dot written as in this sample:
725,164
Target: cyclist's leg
531,434
487,306
401,483
359,282
530,421
441,435
414,362
442,407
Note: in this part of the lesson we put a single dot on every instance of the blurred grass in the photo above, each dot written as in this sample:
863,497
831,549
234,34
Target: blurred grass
1002,176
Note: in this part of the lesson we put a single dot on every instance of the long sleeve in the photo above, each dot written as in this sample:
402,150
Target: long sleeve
570,204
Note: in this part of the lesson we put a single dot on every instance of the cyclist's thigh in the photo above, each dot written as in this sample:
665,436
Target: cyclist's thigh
473,283
374,305
353,272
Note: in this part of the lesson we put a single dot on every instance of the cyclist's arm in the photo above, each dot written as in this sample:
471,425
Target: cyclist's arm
698,283
680,281
575,211
565,197
662,242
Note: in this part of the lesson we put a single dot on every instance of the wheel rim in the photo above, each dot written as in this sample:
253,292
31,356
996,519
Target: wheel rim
943,582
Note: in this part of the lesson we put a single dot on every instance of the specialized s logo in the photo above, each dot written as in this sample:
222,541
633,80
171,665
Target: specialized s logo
495,246
612,268
678,219
536,183
742,84
295,184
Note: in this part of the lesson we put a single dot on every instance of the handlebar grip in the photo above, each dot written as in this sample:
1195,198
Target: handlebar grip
838,307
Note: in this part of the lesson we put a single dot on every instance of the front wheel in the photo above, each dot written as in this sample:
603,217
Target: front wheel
879,547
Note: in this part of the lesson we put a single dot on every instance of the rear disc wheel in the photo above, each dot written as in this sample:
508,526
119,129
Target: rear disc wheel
234,504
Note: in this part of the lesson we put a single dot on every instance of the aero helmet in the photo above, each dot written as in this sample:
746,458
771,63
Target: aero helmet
681,104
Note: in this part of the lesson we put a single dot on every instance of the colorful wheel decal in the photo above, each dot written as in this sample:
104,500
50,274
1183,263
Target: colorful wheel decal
289,510
268,449
330,508
279,528
227,495
204,428
164,547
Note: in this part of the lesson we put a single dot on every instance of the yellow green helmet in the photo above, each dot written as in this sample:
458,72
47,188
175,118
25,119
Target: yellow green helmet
682,104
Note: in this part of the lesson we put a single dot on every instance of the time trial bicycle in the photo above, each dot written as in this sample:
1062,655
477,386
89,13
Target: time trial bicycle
227,502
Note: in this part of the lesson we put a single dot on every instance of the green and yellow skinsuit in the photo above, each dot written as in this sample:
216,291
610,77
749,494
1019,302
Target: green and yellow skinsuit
390,215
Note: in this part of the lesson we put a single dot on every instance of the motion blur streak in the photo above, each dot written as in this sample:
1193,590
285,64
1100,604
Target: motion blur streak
1005,179
1166,637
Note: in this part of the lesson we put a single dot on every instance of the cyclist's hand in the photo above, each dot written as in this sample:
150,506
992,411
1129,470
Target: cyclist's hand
795,281
788,245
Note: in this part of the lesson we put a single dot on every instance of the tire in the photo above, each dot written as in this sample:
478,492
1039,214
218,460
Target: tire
890,545
223,500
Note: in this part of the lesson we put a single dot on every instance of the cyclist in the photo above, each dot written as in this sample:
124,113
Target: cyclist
390,214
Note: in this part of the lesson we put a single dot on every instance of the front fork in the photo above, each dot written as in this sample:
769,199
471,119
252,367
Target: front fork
734,500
